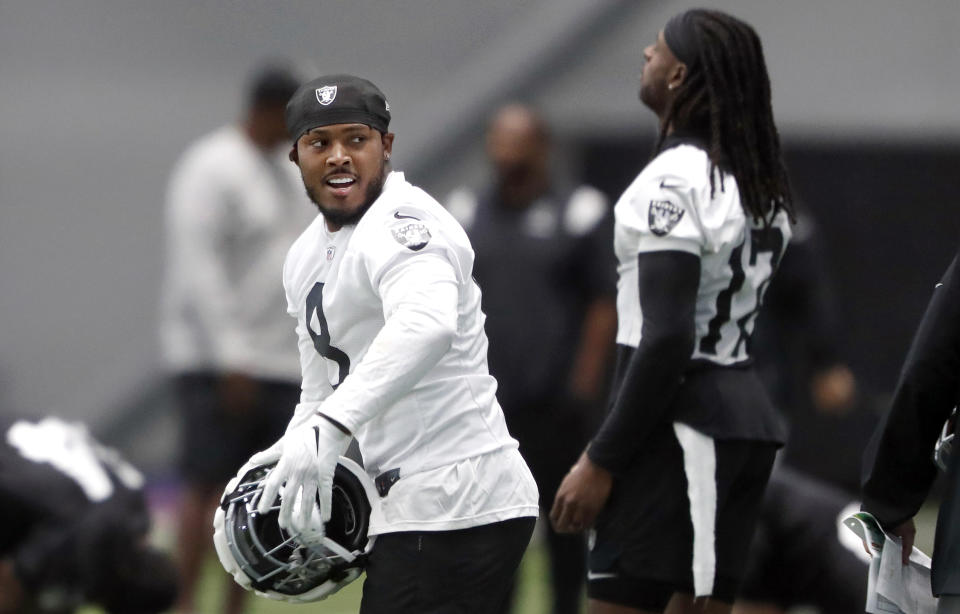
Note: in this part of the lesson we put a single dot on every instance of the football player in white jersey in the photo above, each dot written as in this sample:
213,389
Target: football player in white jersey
672,482
393,352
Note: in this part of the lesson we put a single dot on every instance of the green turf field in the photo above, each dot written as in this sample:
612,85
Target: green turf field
532,595
532,592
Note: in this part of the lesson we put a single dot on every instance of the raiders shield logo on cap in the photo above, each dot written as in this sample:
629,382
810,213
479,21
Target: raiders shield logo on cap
326,94
663,216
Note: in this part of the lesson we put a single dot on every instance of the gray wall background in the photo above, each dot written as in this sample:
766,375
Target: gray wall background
98,98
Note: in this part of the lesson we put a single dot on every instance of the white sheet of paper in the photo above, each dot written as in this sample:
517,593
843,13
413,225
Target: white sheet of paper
892,588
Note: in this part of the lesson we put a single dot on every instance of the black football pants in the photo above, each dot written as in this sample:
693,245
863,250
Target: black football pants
467,571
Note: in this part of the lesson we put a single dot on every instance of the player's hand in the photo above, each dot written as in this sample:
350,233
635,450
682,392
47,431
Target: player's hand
907,532
306,458
581,496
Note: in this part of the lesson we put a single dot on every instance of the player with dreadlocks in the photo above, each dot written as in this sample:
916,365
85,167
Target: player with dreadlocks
723,94
672,481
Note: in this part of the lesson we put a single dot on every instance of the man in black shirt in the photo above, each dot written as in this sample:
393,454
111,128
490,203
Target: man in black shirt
544,264
898,469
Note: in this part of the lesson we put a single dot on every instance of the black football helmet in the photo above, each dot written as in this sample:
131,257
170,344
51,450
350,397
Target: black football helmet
276,564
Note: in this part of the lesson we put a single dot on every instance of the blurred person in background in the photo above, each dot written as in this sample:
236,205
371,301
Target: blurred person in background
799,346
800,349
75,525
548,276
798,335
234,206
898,466
673,481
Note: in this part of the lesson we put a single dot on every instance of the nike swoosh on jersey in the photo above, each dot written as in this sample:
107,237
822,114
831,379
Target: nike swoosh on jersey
665,186
397,215
938,285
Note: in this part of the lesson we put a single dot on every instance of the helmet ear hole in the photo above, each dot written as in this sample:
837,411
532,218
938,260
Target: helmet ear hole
261,556
350,517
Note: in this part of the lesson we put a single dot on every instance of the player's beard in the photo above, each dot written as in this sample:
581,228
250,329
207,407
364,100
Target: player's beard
344,218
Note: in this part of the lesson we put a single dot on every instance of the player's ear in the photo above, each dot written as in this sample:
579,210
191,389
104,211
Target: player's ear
294,155
677,75
387,140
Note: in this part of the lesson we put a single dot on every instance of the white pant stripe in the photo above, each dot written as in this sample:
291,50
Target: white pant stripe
700,466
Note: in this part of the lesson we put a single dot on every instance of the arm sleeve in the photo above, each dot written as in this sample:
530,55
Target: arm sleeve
898,467
420,296
199,223
668,283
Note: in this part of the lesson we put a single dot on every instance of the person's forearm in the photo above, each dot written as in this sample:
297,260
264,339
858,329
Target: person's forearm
653,377
668,283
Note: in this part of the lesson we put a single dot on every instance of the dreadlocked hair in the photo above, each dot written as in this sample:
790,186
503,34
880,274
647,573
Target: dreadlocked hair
726,94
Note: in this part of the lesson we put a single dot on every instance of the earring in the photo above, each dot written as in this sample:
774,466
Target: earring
386,156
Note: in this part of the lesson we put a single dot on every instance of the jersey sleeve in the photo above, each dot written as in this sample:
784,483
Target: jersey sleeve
662,212
415,272
406,234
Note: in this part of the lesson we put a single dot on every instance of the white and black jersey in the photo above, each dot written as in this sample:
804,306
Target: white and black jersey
672,205
692,327
369,300
691,432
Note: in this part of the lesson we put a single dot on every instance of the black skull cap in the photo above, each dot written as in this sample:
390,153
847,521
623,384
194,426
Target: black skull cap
336,99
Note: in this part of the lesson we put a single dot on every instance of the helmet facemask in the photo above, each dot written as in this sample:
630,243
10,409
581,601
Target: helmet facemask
277,564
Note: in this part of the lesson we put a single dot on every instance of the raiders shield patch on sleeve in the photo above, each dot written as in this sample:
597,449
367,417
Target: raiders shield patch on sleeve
663,217
413,235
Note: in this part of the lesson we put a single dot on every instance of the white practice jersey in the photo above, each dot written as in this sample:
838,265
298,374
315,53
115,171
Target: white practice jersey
428,412
669,207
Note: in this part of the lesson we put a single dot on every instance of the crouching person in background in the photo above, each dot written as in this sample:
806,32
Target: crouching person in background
75,524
